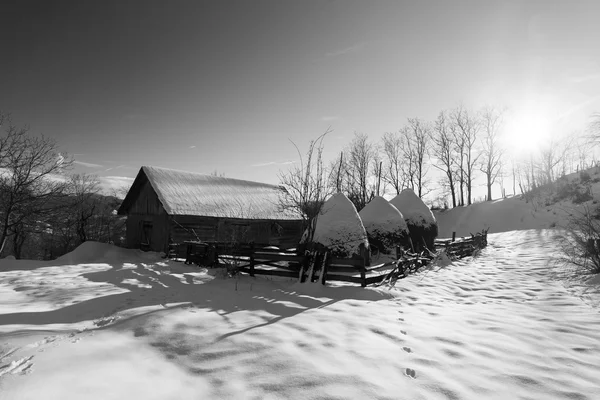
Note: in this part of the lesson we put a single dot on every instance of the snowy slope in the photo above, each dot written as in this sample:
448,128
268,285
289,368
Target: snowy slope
515,213
412,207
339,227
505,325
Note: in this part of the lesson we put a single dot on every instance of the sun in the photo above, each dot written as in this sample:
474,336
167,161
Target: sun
527,130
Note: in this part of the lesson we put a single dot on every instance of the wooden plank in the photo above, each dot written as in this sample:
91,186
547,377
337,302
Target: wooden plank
278,257
344,278
343,268
272,272
375,279
383,266
347,261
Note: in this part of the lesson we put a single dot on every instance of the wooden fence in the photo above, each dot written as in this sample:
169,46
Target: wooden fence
320,266
463,247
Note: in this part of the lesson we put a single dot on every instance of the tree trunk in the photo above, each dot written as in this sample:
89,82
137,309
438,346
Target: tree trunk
452,191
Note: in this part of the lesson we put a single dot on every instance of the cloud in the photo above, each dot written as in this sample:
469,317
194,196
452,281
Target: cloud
192,147
89,165
352,49
117,167
329,118
577,107
112,184
585,78
273,163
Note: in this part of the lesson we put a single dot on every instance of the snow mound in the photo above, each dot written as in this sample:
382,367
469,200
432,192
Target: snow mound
384,223
91,252
339,227
380,214
412,207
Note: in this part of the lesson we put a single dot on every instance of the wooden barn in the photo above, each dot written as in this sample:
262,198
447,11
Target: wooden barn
167,206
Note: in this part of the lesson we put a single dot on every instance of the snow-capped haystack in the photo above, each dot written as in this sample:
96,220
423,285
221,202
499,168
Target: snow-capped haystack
340,229
385,225
419,218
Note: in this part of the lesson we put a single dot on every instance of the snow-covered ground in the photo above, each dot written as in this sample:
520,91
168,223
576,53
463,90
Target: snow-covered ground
107,323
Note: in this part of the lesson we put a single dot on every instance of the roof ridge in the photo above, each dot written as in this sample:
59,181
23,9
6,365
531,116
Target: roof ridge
212,177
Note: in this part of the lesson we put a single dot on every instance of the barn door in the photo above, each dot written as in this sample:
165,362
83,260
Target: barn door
145,240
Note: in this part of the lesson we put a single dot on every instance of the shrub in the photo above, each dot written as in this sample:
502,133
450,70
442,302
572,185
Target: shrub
584,176
580,244
580,197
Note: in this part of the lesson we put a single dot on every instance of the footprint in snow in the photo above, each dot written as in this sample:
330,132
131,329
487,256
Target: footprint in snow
105,321
21,366
410,373
403,332
407,349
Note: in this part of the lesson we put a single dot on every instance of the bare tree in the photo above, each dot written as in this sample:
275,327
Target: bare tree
444,151
357,178
492,152
467,128
552,155
393,150
31,171
377,172
85,191
306,187
417,143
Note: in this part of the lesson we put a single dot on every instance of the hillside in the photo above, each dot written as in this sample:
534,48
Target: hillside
547,207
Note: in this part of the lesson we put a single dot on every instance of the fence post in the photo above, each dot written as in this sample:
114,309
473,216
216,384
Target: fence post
363,275
325,267
453,236
252,259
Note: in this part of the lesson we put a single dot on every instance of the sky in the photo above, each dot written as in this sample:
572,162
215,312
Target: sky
227,86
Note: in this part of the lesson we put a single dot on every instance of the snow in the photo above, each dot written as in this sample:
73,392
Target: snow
339,226
515,213
412,207
383,220
109,323
503,215
380,215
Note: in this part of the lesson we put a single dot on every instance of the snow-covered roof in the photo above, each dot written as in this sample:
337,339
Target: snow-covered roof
381,216
413,208
190,193
339,227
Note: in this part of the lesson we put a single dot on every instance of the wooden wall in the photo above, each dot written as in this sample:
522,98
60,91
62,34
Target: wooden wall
278,233
139,225
147,215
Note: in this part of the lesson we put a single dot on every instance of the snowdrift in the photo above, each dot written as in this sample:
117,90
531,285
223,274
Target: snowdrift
385,225
340,229
421,222
94,252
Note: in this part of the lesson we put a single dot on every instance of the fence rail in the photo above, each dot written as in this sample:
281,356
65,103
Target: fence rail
262,259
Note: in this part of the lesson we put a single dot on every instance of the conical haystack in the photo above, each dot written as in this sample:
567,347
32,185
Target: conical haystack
339,229
385,226
419,218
